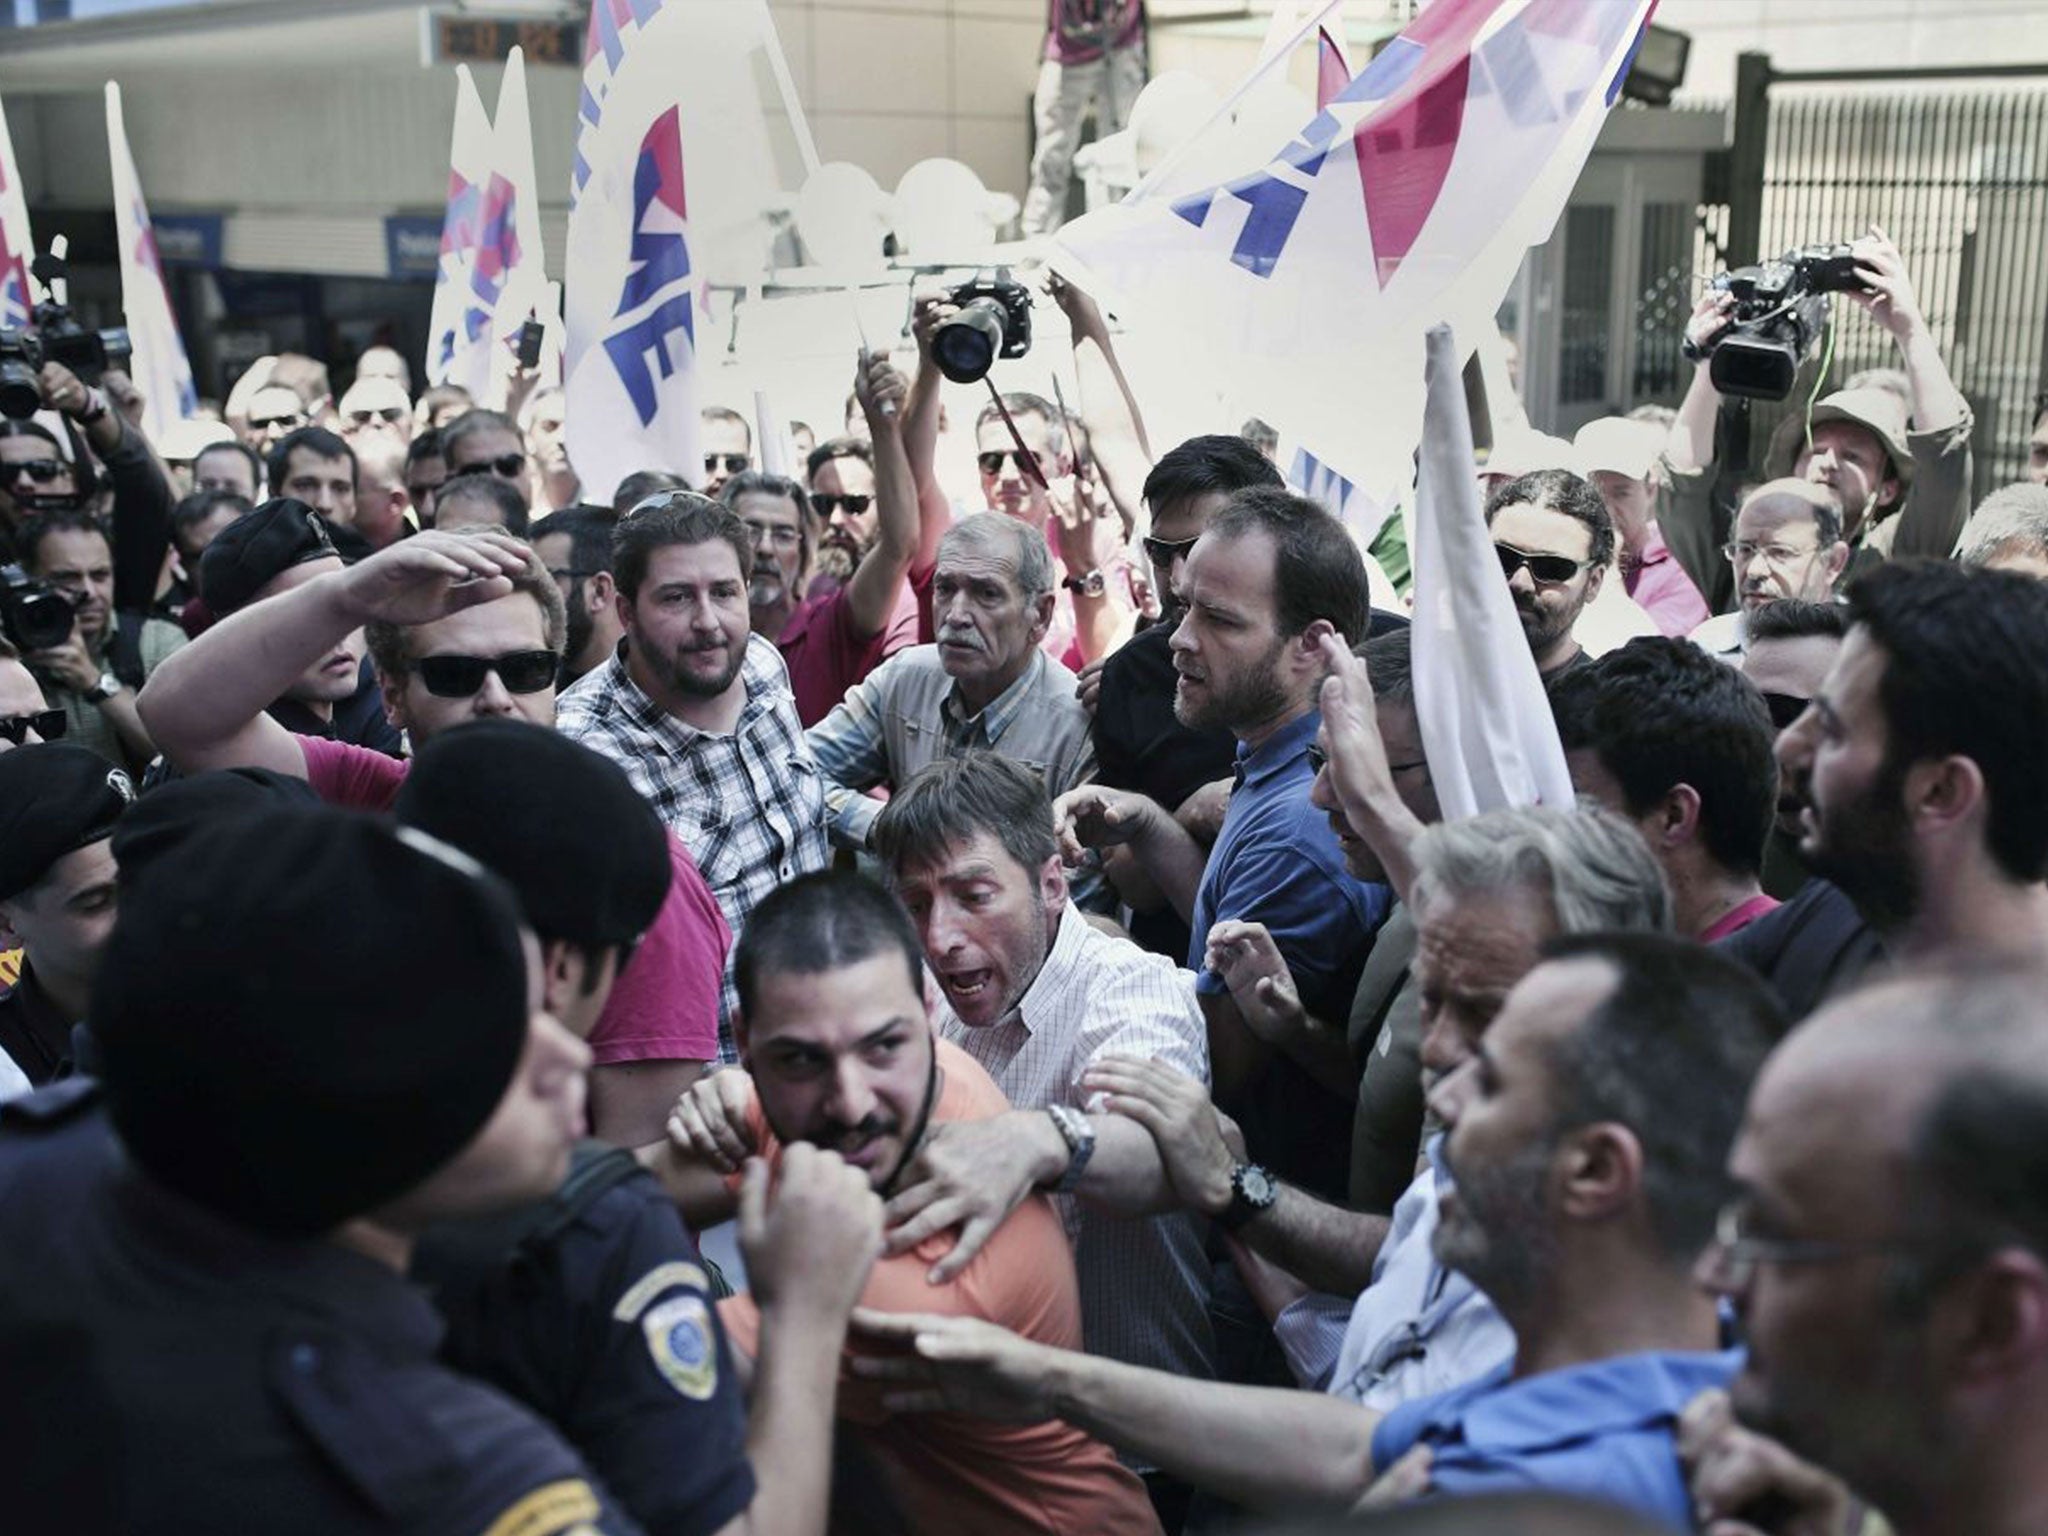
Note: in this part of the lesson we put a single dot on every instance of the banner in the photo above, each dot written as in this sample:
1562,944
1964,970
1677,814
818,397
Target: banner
522,280
17,247
1409,200
458,330
159,366
673,165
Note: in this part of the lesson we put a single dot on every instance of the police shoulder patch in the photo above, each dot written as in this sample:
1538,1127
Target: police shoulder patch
683,1345
568,1507
670,1276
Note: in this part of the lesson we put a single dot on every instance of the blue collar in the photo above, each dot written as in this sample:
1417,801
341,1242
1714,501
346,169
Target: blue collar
1579,1402
1279,751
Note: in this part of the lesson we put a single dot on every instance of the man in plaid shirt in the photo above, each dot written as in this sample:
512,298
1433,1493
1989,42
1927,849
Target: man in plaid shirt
697,710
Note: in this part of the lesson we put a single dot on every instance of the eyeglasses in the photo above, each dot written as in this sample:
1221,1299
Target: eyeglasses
1731,1263
1318,760
1163,552
390,413
827,503
460,677
49,724
1545,570
992,462
1739,555
781,538
507,466
265,423
731,463
42,471
1785,708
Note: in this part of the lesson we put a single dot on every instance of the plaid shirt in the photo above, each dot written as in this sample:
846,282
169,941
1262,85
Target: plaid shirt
750,806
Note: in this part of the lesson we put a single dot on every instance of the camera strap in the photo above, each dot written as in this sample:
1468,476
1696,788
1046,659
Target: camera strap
1027,458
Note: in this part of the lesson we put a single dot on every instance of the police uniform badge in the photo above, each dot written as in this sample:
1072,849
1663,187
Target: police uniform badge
683,1346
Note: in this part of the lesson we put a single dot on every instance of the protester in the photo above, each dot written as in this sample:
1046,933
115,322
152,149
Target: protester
25,714
481,442
426,470
375,409
551,484
696,708
643,484
576,547
474,500
384,505
728,445
1555,541
313,465
1619,457
1094,64
840,1053
2009,531
1786,546
275,411
196,521
1587,1177
228,467
440,405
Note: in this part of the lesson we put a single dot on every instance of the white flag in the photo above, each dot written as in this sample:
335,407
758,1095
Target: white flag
458,332
158,367
1487,729
17,247
670,105
523,280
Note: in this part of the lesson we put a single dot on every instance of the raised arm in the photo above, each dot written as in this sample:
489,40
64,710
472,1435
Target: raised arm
921,430
877,583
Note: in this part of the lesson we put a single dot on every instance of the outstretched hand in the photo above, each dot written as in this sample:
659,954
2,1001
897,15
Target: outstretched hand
956,1365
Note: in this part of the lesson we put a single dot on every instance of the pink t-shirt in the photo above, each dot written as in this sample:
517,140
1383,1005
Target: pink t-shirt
1662,590
826,658
664,1006
1735,919
1076,31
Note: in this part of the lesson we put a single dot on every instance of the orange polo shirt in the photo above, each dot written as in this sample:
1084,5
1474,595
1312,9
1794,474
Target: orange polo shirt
954,1473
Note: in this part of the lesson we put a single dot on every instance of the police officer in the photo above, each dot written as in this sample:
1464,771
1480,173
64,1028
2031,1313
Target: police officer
58,806
319,1036
594,1307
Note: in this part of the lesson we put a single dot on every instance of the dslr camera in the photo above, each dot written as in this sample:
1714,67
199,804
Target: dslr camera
33,614
56,336
994,321
1780,307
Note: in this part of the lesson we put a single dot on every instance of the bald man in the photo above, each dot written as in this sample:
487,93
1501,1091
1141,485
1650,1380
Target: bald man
1786,544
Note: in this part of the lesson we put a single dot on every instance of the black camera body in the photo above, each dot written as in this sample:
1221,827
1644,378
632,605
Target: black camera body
994,321
1780,307
33,614
57,336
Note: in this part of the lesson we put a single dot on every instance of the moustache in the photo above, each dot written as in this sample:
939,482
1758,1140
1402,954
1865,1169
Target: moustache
964,637
838,1136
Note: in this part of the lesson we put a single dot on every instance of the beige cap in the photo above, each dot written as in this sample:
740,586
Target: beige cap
1619,446
1877,411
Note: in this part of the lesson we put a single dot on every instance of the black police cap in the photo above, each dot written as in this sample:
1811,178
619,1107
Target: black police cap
166,816
55,798
561,824
258,547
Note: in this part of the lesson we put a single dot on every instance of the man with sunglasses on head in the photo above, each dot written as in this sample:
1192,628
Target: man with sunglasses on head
1555,540
461,626
728,446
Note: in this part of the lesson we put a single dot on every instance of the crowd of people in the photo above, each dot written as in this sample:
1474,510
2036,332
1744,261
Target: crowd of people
437,892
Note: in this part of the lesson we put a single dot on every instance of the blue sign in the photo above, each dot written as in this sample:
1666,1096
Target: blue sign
412,244
188,239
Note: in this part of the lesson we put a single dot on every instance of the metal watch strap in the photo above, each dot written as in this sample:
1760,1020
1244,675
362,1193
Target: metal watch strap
1079,1136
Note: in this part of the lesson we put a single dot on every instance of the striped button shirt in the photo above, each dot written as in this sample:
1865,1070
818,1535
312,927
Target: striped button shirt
749,806
1144,1282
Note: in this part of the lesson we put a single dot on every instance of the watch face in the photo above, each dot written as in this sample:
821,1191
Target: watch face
1256,1185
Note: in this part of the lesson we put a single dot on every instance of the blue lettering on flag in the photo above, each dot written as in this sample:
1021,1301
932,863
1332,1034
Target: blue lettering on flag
629,350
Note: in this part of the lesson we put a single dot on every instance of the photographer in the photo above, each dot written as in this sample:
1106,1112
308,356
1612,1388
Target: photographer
1902,473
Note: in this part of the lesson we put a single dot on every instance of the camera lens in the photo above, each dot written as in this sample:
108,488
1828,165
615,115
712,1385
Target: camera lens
966,346
20,397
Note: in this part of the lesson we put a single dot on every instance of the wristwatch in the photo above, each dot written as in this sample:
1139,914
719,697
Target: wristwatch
1252,1190
1079,1136
104,689
1089,584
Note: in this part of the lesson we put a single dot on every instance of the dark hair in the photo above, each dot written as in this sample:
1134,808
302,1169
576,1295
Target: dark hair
76,459
1661,712
390,645
1559,490
682,517
643,483
233,445
957,798
473,422
1019,402
820,922
590,535
437,395
507,498
200,505
726,413
758,482
58,520
1317,571
318,441
838,448
1204,465
1964,674
1389,666
1790,619
425,444
1670,1053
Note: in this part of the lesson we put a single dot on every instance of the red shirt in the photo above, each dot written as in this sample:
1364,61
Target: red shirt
1735,919
825,657
664,1005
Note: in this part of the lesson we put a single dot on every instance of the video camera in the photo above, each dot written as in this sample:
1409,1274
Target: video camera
57,336
1780,307
994,321
33,614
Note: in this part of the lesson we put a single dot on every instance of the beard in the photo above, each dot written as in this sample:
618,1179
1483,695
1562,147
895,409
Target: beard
837,559
1499,1234
1253,696
1866,847
668,667
581,625
1544,627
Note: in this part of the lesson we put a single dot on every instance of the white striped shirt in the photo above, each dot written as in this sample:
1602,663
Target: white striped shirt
1145,1281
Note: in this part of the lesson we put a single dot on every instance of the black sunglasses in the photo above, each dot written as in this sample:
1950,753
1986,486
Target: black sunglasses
42,471
992,462
49,724
1318,760
1163,552
1547,570
265,423
460,677
1785,708
507,466
731,463
826,502
390,413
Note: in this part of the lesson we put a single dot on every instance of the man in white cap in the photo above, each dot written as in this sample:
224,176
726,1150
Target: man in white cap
1620,457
